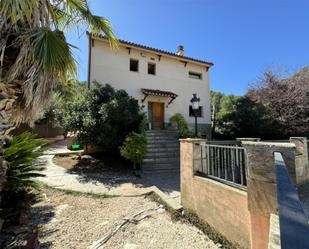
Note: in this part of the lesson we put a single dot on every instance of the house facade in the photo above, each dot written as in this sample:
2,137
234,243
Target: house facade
161,81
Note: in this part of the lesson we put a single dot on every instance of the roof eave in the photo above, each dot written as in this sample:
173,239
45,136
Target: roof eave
156,51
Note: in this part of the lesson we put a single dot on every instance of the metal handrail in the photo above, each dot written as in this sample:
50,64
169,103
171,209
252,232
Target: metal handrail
294,226
223,162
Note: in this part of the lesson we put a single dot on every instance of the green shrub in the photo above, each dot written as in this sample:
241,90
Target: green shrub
143,126
21,153
134,148
179,121
103,118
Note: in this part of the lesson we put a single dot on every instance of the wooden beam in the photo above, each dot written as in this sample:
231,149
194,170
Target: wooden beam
129,50
143,100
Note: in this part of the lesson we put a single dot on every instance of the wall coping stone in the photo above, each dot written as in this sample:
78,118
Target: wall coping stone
192,140
268,144
251,139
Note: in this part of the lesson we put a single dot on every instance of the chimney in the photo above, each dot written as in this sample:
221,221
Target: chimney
180,50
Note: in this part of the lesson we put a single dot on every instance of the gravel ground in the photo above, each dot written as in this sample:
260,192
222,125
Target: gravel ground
76,221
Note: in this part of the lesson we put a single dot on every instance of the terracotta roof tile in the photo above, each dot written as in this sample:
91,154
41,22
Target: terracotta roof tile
157,92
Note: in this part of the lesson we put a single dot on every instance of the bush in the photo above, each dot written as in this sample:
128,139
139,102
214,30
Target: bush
21,153
179,121
103,118
134,148
241,117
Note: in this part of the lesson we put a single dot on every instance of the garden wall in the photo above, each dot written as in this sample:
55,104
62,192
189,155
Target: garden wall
223,207
42,130
244,217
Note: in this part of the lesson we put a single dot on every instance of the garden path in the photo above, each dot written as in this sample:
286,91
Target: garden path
165,184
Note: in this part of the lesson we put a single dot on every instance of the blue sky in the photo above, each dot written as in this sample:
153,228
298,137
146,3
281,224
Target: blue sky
241,37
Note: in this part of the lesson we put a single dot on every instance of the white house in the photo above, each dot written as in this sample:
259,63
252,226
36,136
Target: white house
162,82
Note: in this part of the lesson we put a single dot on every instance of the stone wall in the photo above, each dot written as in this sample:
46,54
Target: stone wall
204,130
243,217
261,185
223,207
301,160
41,130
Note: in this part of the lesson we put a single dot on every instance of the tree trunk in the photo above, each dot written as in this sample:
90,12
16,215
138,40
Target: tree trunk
8,95
4,126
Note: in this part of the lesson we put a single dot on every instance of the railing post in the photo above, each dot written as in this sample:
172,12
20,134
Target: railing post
261,186
301,160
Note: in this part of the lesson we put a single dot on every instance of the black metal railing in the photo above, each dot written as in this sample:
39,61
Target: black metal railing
223,162
294,227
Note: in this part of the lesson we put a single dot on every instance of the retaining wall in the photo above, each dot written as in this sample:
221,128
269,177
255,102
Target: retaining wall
223,207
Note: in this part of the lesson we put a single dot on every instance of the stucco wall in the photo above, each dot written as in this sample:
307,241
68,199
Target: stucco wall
108,66
223,207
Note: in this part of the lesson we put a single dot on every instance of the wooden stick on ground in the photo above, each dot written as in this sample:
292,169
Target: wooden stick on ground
135,219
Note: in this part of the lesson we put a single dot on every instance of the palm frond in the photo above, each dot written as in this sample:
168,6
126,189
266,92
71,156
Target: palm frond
18,13
97,24
51,50
34,54
22,154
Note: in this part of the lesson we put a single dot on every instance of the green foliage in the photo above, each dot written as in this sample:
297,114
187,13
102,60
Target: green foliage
179,121
241,117
134,148
216,98
62,96
101,116
21,153
35,51
143,126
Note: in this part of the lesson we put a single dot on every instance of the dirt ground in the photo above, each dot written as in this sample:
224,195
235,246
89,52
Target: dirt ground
89,165
77,221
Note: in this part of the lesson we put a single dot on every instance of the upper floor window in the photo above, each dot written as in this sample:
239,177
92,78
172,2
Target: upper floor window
195,75
133,65
199,111
151,68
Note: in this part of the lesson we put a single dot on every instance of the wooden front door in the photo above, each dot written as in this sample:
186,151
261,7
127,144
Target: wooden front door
157,115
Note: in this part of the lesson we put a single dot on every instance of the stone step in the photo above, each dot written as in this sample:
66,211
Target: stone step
162,133
157,169
175,135
161,160
160,171
164,138
163,145
160,149
174,162
163,154
159,143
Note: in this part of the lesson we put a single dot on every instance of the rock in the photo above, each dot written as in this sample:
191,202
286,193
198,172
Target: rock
131,246
161,210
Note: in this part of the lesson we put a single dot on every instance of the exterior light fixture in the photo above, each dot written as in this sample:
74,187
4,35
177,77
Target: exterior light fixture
195,107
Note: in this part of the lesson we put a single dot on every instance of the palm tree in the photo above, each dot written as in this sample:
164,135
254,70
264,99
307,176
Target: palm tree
34,55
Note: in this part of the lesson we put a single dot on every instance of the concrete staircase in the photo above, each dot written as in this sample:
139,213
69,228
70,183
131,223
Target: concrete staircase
162,152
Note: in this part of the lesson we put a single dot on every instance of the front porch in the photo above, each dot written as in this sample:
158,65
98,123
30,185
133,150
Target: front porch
157,102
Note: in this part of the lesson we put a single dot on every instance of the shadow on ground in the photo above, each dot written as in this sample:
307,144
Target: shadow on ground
303,192
113,171
24,223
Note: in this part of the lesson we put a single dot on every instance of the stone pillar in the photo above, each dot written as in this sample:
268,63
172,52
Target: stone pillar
261,185
189,164
301,160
